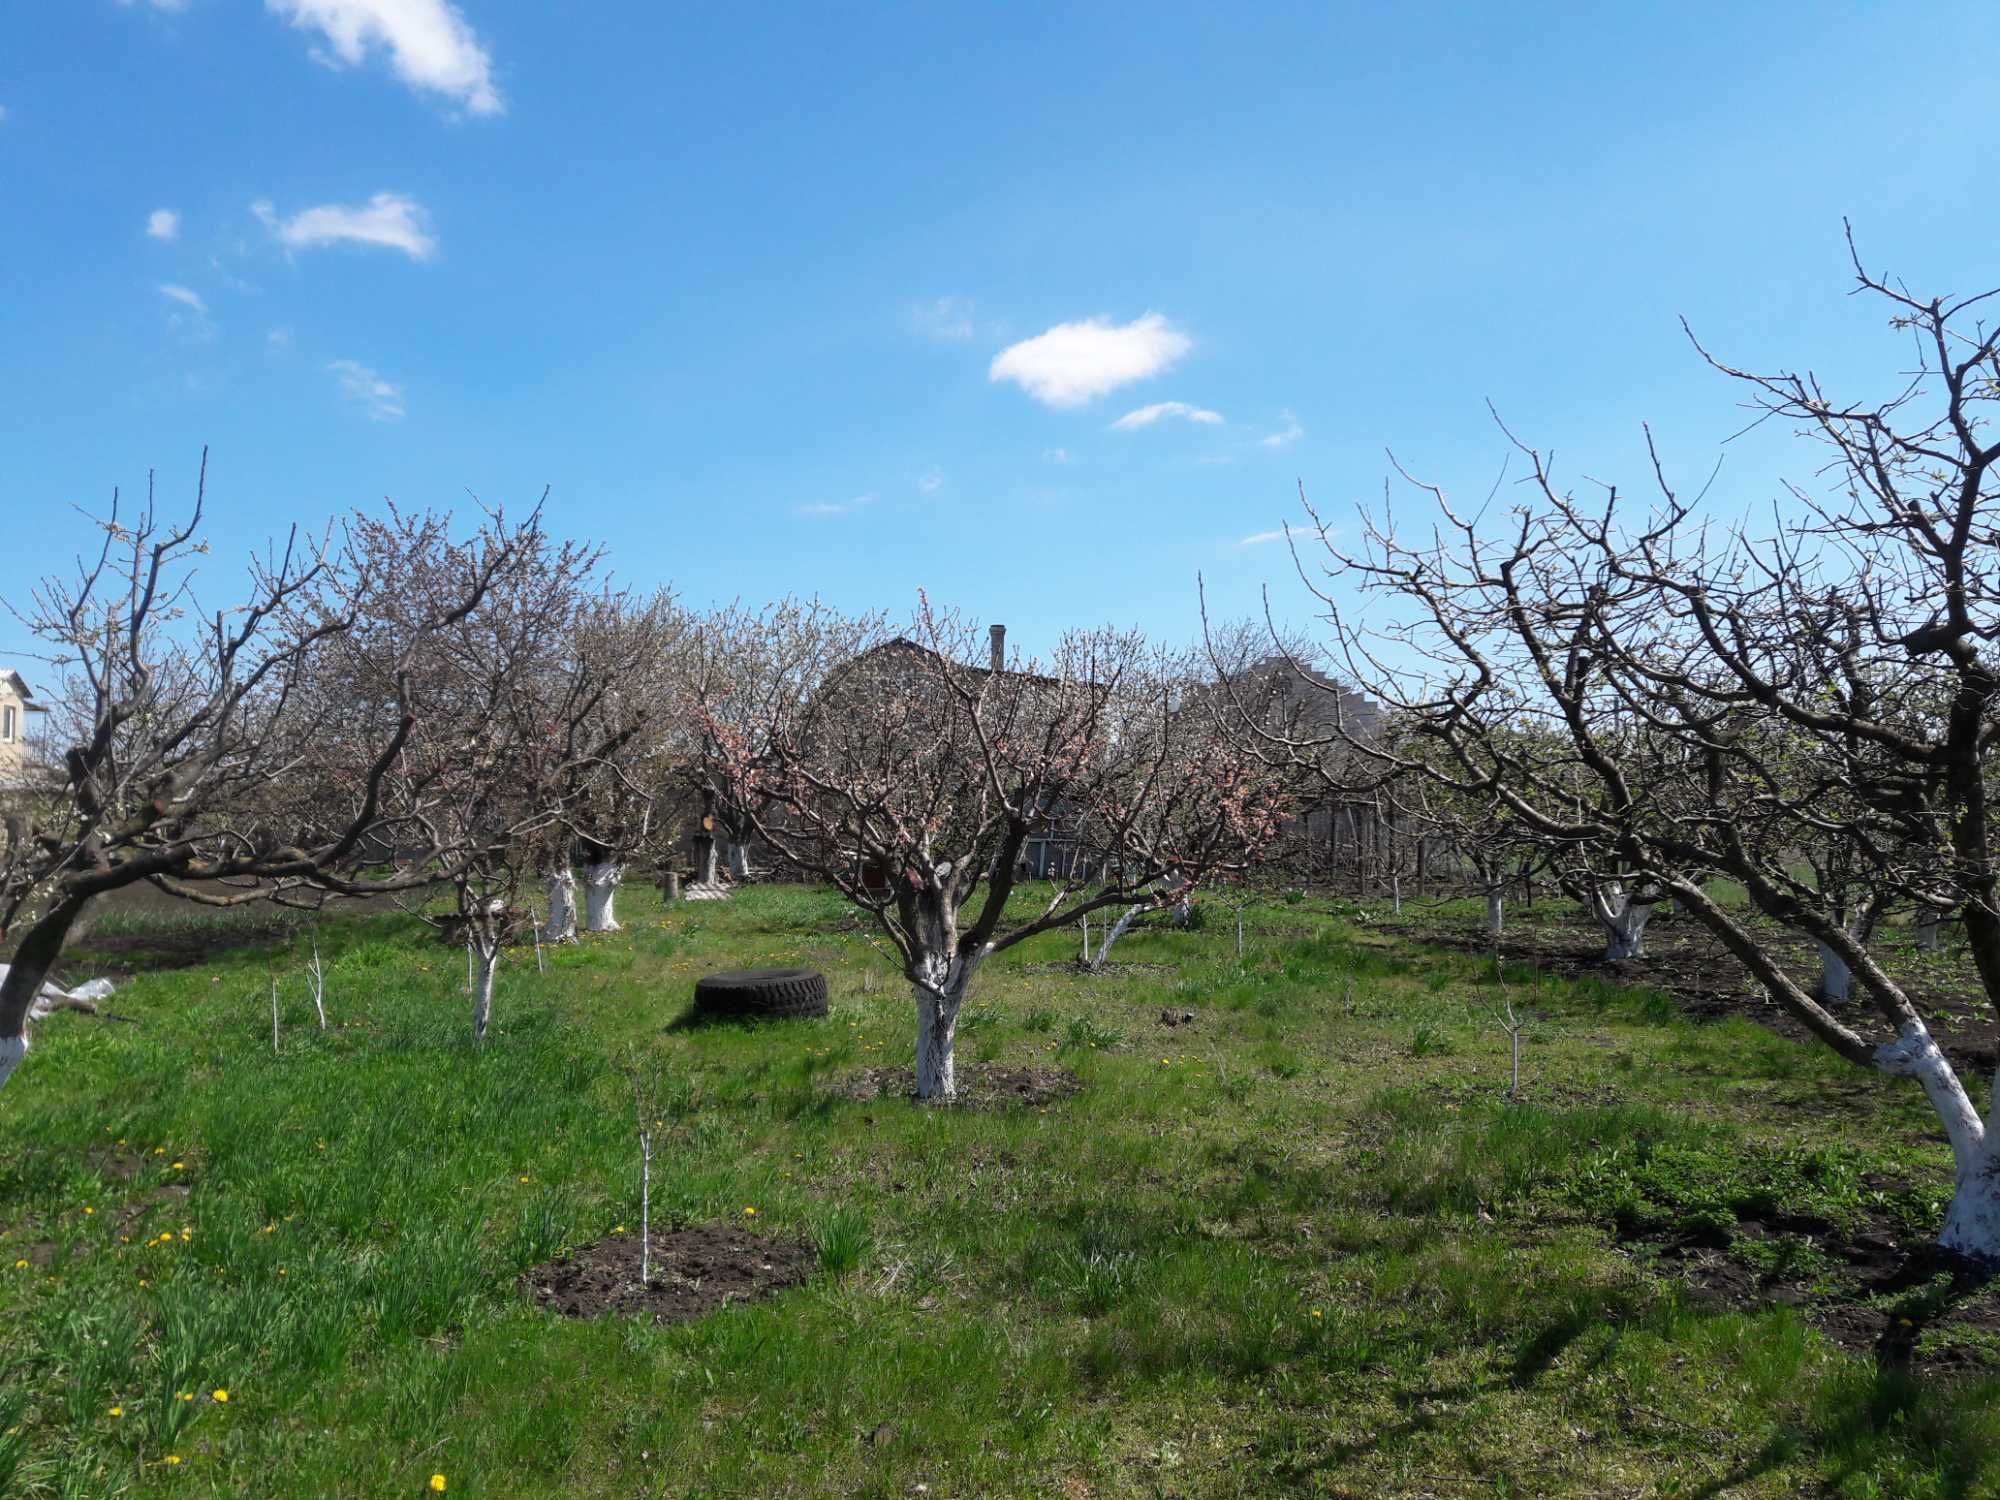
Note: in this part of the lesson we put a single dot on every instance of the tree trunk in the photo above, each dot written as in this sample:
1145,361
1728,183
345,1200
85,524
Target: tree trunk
1116,931
488,951
561,926
1927,930
1972,1223
24,979
600,893
1836,981
937,1039
1622,919
708,867
739,860
1496,913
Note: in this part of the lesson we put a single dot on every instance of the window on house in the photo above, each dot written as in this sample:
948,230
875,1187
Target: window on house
7,718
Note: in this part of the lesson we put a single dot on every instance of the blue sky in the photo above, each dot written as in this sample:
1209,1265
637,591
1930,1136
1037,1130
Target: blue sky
861,300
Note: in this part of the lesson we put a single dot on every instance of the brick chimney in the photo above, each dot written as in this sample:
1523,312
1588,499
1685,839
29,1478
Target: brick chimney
999,634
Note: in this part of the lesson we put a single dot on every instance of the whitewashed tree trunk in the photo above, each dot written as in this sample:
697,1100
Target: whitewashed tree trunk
739,860
1972,1223
1836,981
561,886
708,865
488,950
1496,913
1622,920
1927,929
1111,937
600,893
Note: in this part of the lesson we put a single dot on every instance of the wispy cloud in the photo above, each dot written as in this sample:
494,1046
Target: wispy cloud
931,480
1259,538
430,46
1056,455
186,296
824,508
363,386
163,224
947,318
279,338
1072,364
1285,436
389,221
1146,416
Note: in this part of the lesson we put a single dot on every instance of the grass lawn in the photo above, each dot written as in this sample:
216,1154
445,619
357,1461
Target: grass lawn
1303,1245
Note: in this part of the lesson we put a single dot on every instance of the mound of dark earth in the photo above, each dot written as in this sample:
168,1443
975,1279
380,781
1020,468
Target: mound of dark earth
695,1270
982,1087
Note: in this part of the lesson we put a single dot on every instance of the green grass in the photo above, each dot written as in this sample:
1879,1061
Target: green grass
1302,1246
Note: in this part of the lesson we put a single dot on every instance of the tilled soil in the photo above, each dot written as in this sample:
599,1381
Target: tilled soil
980,1087
695,1270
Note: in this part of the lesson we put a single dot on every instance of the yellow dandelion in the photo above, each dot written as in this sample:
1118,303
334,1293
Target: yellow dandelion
437,1483
270,1229
749,1210
144,1282
173,1458
1315,1312
20,1265
617,1228
187,1234
88,1209
117,1411
186,1395
180,1166
219,1394
159,1151
281,1270
524,1179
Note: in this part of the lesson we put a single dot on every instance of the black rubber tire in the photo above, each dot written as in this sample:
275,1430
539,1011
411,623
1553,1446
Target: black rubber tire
762,994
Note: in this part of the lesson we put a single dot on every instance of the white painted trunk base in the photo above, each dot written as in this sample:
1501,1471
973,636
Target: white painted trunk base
1117,931
739,861
1836,980
1496,914
1972,1223
1623,922
937,1046
561,926
1927,932
600,895
12,1050
482,990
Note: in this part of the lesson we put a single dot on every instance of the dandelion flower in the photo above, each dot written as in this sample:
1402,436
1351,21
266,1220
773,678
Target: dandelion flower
173,1458
437,1483
219,1394
20,1265
117,1411
524,1179
180,1166
186,1395
617,1228
88,1209
749,1210
159,1151
270,1229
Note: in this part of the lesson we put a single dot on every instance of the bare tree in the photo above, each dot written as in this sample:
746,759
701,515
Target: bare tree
186,733
912,779
1706,701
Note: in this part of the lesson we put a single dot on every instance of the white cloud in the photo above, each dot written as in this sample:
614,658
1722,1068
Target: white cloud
381,400
931,480
390,220
1146,416
163,224
948,318
279,338
430,45
1285,436
821,508
1259,538
1075,363
186,296
1057,455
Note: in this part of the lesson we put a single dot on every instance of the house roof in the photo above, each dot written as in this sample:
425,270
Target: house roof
19,684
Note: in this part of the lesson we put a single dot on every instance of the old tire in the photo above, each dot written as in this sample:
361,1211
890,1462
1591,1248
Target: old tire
762,994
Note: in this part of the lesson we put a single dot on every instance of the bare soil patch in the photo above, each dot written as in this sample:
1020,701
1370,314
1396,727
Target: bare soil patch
980,1087
1872,1288
695,1270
